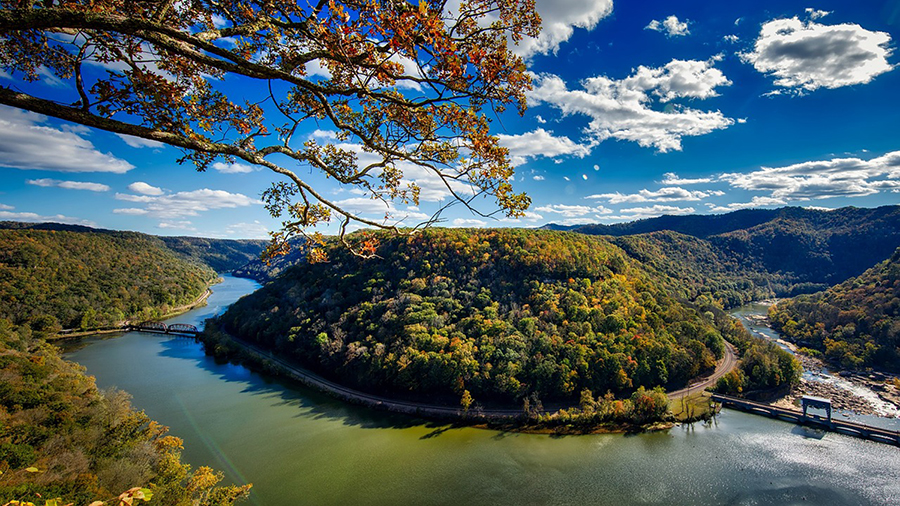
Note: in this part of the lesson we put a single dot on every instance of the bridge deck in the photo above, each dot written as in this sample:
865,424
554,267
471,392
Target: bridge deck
841,426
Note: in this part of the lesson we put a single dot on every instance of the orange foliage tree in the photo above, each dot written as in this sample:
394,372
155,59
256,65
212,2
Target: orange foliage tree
406,85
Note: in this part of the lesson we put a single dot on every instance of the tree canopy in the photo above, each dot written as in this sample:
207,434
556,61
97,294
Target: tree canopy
402,86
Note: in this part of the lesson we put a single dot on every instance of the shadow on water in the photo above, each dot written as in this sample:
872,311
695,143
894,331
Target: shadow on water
285,392
808,432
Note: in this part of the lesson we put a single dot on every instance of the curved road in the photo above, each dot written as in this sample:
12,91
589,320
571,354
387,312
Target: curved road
722,368
317,382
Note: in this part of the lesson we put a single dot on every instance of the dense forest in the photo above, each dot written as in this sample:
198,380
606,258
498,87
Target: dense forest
854,324
69,279
223,255
783,251
501,314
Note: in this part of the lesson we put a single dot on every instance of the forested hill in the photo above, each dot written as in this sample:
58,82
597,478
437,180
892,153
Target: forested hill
54,279
787,250
856,323
223,255
502,313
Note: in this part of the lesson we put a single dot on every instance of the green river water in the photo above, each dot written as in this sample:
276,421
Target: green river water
300,447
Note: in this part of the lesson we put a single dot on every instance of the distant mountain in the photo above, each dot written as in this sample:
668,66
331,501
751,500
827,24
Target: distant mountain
223,255
856,323
788,250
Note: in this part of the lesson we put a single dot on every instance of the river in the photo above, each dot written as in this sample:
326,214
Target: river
299,447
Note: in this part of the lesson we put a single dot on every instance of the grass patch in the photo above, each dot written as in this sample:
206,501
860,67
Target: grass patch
691,407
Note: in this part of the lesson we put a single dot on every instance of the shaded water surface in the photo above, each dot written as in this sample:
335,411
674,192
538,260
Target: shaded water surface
299,447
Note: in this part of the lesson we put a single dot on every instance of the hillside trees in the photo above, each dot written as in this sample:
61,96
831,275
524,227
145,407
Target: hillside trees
503,314
403,88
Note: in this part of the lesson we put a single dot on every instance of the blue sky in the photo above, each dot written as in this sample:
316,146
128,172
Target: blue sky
639,109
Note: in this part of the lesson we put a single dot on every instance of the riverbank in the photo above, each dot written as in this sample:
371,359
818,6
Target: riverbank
200,301
874,394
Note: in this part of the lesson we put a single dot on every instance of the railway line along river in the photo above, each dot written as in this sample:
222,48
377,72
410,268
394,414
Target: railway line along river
300,447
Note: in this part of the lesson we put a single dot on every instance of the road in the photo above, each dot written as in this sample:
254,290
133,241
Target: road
728,362
317,382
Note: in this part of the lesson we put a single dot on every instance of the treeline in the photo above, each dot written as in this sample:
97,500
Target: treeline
62,438
855,324
503,314
53,280
744,255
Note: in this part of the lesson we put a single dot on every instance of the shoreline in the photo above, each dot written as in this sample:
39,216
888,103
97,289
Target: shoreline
200,301
499,419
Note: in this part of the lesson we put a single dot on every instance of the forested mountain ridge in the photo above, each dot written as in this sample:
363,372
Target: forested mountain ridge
53,279
223,255
783,251
501,313
856,323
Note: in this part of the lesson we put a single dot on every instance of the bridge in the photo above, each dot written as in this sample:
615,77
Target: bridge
804,418
161,328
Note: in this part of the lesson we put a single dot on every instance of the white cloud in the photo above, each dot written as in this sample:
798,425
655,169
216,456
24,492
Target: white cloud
808,55
572,211
233,168
131,211
468,223
37,218
27,143
540,143
667,194
178,225
838,177
529,216
559,18
181,204
671,178
731,38
68,185
538,177
4,207
139,142
754,203
653,211
671,26
385,211
816,14
144,188
622,109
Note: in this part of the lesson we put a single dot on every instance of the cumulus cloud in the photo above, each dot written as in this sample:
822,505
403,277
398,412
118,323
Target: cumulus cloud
572,211
232,168
622,109
540,143
69,185
670,178
38,218
671,26
559,18
838,177
805,56
179,205
667,194
754,203
144,188
816,14
385,211
538,177
255,230
468,223
26,142
654,211
138,142
4,207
